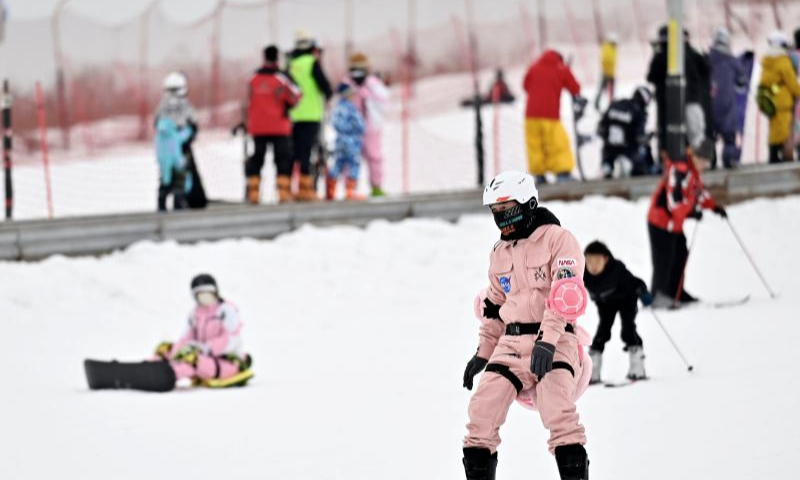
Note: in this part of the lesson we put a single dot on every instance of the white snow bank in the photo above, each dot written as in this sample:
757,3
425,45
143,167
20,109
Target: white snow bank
360,338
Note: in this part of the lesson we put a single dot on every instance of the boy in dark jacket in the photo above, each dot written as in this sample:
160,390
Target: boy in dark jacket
614,289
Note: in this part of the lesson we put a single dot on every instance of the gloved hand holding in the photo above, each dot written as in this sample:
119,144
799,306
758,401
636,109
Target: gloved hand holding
721,211
697,214
542,358
188,354
475,366
163,349
646,298
578,105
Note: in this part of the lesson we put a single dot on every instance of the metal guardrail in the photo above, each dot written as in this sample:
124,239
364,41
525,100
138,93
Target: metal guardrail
37,239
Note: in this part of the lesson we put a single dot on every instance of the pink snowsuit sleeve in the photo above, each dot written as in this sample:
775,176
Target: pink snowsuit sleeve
232,325
566,254
492,330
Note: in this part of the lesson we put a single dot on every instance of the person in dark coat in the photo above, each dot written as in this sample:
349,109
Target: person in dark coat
622,129
727,80
615,290
697,92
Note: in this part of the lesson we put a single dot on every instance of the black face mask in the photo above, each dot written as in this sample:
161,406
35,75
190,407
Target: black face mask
358,75
516,222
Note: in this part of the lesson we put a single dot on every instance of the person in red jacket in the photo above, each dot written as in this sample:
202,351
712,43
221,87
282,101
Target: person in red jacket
679,195
548,144
271,94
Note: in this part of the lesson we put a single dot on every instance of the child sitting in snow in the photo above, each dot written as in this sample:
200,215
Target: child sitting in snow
173,176
614,289
349,126
210,351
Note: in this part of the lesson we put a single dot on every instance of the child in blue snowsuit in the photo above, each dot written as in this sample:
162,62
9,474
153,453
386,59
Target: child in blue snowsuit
349,126
173,177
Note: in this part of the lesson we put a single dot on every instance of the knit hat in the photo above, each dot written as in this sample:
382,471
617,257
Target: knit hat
722,37
778,39
303,40
597,248
359,60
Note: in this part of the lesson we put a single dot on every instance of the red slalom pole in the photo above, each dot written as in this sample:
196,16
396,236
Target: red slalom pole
43,140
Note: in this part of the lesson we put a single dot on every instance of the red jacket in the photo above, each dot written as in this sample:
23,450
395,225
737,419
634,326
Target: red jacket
271,95
544,82
679,195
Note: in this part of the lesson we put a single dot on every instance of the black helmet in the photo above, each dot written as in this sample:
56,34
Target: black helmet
204,283
643,95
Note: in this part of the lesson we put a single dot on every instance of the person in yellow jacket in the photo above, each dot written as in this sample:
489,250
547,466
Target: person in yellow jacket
608,64
778,75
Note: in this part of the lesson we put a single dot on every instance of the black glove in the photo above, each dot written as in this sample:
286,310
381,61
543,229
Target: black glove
475,366
578,105
697,215
490,310
542,358
721,211
646,298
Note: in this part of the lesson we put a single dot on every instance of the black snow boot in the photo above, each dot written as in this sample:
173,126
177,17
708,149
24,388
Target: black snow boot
479,464
573,464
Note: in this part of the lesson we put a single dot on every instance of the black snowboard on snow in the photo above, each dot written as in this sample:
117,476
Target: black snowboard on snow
147,376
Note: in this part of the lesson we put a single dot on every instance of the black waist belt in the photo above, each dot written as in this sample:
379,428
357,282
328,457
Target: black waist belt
516,329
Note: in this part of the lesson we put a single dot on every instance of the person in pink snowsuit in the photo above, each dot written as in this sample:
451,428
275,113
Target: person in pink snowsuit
371,98
529,343
211,345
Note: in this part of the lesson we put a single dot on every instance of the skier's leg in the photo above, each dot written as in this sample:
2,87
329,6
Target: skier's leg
609,155
252,169
678,270
282,151
507,374
488,408
309,135
731,153
374,157
558,151
661,247
556,396
627,315
163,191
533,142
632,340
353,168
607,315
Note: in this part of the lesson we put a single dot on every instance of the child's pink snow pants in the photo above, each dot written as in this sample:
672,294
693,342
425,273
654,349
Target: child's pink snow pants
207,368
496,392
373,154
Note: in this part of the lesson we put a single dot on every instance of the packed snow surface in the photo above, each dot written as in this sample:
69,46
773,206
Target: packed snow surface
360,337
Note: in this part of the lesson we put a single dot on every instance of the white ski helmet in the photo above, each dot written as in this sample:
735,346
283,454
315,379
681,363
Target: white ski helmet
176,82
778,39
612,37
510,185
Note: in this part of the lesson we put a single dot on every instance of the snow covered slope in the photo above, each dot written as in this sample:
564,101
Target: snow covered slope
360,338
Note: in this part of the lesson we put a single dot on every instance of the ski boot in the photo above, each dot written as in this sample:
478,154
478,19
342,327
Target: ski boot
597,365
253,190
350,190
377,191
479,463
636,369
307,191
330,189
284,186
573,464
163,350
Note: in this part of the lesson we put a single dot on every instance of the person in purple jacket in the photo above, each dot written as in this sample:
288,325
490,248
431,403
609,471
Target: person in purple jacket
727,78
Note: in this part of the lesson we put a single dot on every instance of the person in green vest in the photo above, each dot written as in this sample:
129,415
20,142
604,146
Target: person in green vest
307,114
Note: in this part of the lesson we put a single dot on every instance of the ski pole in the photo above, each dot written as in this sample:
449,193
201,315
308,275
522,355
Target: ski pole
749,258
689,367
686,263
